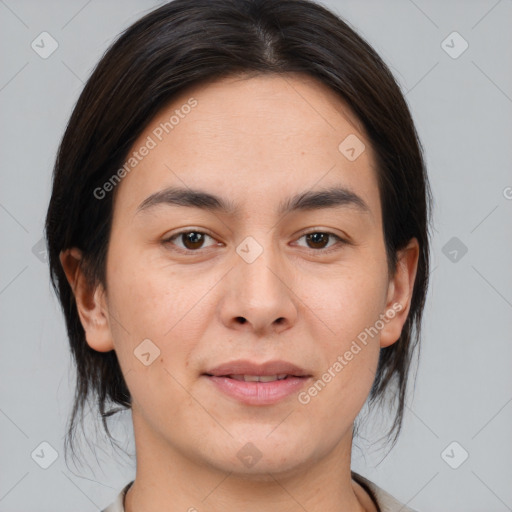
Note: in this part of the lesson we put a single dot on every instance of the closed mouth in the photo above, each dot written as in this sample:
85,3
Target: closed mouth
257,378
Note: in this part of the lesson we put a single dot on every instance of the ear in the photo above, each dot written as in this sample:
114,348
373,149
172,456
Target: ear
401,286
90,302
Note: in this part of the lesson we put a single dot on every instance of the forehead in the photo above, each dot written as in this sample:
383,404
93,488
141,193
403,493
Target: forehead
272,135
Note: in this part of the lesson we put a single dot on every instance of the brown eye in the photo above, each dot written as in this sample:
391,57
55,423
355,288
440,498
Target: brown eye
318,240
192,240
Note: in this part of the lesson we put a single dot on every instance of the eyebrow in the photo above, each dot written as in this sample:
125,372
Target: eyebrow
311,200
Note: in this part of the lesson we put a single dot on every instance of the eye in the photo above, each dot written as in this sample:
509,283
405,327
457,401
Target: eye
319,240
192,239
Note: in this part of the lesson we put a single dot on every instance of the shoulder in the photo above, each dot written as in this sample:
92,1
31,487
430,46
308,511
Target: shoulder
118,504
385,501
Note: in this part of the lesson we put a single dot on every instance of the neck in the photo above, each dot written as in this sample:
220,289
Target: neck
168,479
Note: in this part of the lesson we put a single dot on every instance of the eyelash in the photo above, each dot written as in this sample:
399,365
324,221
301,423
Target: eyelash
169,241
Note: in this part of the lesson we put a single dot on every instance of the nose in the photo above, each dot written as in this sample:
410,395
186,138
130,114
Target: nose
258,293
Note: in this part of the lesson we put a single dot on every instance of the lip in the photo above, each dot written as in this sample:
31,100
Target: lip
246,367
258,393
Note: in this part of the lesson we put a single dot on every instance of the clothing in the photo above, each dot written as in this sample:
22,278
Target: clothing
385,502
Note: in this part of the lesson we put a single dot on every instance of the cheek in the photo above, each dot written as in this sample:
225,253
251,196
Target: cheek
349,351
346,301
153,301
151,297
346,312
152,304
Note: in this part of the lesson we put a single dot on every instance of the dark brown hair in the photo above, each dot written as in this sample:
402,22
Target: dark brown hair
186,42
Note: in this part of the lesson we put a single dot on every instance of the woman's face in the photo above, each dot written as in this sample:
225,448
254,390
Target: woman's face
254,283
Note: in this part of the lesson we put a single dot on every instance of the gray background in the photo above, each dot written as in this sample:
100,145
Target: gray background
462,108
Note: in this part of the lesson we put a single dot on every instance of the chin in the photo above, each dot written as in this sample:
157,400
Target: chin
258,456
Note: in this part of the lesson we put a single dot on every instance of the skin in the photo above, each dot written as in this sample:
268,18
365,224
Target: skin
255,141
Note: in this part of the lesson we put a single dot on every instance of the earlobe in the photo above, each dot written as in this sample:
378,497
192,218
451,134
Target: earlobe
90,302
400,291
